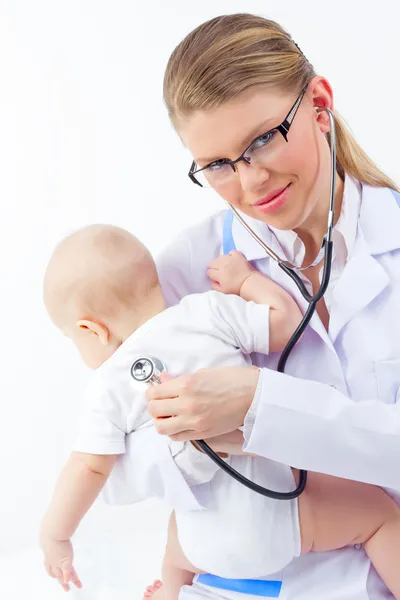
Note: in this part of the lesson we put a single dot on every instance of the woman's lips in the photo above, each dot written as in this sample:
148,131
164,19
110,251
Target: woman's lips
273,201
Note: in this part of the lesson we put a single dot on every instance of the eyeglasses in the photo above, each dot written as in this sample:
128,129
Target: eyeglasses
260,150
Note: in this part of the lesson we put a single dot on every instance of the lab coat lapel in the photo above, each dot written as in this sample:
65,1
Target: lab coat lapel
363,277
362,280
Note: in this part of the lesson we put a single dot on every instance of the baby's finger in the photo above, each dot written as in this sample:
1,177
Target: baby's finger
49,570
219,262
64,586
59,575
75,579
213,274
66,574
57,572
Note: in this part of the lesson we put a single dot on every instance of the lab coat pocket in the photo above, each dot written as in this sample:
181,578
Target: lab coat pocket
388,380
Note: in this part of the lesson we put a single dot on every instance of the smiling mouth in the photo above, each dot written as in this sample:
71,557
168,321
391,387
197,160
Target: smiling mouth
272,196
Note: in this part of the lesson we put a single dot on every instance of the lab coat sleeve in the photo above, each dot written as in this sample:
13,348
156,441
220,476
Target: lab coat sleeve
310,425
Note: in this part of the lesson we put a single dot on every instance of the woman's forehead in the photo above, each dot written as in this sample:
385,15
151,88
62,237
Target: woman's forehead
225,131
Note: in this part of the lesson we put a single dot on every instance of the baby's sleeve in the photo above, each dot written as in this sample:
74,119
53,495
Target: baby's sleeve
242,323
103,422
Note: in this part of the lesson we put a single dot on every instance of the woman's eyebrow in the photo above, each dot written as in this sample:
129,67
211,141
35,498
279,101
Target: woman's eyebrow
260,129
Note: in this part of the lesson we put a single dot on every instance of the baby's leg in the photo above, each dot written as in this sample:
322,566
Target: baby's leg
337,512
176,570
383,548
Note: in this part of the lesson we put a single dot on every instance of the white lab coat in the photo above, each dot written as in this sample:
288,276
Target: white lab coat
335,410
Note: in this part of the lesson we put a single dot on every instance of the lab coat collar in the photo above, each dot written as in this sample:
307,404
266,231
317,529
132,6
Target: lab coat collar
363,278
247,245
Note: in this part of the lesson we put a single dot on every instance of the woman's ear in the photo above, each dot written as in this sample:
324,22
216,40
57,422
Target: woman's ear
95,328
321,96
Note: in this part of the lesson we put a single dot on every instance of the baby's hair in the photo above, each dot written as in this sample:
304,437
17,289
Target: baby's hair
100,270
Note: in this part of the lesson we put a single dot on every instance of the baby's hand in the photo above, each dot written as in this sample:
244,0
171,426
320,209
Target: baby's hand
58,558
229,272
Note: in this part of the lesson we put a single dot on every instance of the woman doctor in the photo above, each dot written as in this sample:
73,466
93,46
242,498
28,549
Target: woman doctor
228,86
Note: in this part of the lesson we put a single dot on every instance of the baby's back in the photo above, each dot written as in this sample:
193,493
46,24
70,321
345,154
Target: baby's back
200,332
238,533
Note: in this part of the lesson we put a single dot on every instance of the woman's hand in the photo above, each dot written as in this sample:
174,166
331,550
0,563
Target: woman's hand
204,404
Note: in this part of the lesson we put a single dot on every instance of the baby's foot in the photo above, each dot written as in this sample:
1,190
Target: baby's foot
152,589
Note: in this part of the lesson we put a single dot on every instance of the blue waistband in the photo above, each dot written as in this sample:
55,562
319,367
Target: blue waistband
251,587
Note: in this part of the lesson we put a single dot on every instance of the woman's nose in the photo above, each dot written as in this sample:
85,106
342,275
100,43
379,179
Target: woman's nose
252,176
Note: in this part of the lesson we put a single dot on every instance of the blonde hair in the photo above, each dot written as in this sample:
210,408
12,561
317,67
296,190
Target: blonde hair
229,55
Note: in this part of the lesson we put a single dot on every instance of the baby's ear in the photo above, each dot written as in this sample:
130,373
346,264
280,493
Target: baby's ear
96,329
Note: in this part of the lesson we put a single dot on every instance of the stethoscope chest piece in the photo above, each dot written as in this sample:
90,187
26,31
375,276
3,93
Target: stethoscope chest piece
147,369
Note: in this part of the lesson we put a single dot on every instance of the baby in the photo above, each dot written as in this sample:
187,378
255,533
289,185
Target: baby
102,291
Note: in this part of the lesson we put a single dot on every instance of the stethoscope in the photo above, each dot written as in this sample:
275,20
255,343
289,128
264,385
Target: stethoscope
148,369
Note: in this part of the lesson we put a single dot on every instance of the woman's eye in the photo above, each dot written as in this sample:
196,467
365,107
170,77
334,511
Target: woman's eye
217,165
263,140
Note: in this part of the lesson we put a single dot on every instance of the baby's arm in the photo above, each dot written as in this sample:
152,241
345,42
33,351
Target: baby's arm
284,316
233,274
78,485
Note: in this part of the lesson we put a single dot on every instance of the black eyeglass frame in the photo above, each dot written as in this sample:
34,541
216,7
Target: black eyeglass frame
283,129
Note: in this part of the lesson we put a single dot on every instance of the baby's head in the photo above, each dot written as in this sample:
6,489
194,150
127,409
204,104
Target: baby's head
100,285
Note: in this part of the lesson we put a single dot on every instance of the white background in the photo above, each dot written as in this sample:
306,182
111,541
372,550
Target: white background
85,138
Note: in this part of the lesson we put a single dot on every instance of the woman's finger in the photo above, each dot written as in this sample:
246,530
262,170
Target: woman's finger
190,435
171,426
169,389
165,377
164,408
